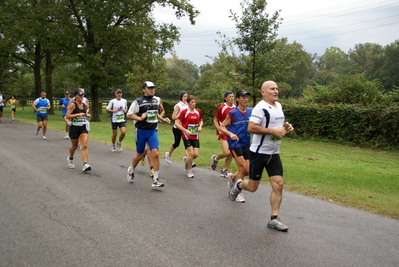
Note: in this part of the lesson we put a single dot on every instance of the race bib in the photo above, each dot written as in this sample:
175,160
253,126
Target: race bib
193,128
152,116
79,119
42,110
120,117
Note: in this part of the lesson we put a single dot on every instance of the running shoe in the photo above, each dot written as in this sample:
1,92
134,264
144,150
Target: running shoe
44,137
151,172
224,173
37,131
71,164
119,145
79,146
190,174
234,190
214,162
113,148
185,163
86,167
130,175
277,224
193,165
66,135
167,158
157,183
142,161
230,181
240,198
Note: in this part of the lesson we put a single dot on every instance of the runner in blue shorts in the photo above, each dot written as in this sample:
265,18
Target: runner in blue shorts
145,113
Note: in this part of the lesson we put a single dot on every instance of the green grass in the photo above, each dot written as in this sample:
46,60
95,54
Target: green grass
352,176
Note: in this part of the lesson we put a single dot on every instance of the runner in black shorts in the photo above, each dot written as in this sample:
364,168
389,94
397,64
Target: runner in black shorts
235,128
268,128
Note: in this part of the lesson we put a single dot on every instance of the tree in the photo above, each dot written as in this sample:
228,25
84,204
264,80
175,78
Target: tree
182,74
390,69
257,31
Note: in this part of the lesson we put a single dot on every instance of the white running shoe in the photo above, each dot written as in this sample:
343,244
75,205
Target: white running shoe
130,174
223,173
167,157
113,148
214,162
66,135
190,174
157,183
37,131
119,146
86,167
240,198
44,137
71,164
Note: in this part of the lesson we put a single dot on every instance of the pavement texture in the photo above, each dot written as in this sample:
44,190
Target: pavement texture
51,215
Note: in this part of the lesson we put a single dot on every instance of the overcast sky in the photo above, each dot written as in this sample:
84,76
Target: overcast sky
316,24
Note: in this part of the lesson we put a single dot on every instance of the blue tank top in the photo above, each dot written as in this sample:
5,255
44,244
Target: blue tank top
239,126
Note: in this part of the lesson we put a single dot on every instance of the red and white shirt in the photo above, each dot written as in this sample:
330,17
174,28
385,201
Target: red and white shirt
191,121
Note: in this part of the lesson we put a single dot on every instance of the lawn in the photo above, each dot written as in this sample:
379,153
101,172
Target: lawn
356,177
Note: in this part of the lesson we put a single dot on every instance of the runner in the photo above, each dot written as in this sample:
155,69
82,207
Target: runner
2,99
238,138
63,104
176,132
219,117
145,113
190,124
118,108
41,105
79,129
268,128
12,102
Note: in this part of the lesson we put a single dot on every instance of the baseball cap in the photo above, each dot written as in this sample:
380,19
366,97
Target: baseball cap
118,90
148,84
227,93
67,92
242,92
79,92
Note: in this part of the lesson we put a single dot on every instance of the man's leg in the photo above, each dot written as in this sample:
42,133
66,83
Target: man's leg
276,195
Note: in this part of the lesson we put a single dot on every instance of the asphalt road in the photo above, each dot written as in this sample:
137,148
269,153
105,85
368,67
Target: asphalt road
54,216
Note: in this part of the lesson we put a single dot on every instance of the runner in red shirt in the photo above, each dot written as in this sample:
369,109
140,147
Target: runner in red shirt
220,115
190,123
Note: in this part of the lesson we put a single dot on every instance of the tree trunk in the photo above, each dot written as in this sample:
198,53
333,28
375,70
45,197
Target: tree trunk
94,106
36,70
49,79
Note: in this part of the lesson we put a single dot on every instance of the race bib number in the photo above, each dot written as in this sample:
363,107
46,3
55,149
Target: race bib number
152,116
193,128
42,110
79,119
12,105
120,117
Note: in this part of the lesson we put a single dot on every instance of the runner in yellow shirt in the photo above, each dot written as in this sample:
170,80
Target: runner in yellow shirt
12,102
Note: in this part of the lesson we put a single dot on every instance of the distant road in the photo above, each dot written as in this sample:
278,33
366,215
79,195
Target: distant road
54,216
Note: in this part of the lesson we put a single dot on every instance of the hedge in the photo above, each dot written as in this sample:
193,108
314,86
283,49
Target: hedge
376,127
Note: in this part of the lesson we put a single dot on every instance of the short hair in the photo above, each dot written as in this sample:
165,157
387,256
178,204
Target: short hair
191,97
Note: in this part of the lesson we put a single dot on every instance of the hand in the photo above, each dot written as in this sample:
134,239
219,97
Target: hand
234,137
167,120
279,132
288,127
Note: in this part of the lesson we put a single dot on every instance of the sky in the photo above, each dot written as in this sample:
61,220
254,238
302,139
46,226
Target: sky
316,24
